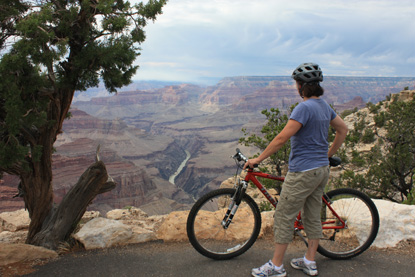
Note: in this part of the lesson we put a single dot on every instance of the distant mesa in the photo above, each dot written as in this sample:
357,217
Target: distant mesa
147,132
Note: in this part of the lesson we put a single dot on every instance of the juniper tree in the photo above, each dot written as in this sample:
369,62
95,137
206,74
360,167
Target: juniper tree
390,165
50,49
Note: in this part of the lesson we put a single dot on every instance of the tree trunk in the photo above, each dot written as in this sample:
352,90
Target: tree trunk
63,219
38,196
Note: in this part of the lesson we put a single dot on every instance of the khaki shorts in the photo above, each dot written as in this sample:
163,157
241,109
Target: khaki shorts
300,191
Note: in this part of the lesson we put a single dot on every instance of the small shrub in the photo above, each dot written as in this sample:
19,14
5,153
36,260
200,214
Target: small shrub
373,108
347,112
411,198
368,136
357,159
265,206
379,119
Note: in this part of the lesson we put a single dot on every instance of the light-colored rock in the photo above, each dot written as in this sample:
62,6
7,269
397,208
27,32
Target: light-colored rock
88,215
150,223
13,253
141,235
131,213
101,233
173,227
397,223
13,237
405,95
143,226
228,183
364,148
267,226
14,221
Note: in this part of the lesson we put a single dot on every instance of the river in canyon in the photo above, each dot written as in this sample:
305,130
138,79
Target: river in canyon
182,165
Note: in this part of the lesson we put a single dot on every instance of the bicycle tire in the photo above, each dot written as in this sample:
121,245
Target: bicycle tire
362,219
210,238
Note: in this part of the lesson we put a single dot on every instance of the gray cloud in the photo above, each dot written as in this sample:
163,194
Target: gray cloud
197,39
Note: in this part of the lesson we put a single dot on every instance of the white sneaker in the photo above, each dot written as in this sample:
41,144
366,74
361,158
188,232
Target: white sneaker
268,270
310,269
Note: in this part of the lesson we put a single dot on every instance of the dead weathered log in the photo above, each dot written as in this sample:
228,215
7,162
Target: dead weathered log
63,219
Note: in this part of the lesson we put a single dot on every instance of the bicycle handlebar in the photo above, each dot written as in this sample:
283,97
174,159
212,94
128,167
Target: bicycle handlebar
241,158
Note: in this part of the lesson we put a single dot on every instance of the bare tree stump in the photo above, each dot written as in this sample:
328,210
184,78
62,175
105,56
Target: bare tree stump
63,219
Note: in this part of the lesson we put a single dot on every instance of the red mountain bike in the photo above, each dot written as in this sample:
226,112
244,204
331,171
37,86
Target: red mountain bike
226,222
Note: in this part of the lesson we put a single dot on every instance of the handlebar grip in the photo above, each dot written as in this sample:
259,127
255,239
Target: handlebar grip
335,161
240,156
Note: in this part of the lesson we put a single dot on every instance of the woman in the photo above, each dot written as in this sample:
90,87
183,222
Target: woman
308,170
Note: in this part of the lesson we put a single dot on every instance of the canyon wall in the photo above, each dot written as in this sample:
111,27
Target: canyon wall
144,135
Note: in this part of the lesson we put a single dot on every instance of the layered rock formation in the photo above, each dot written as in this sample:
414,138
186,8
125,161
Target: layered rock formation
144,136
137,184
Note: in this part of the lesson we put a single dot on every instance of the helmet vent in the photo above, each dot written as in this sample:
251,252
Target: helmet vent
308,72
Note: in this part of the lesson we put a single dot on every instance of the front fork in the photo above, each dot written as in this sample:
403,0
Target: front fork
234,205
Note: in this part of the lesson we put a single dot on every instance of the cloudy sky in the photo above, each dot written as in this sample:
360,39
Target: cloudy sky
203,40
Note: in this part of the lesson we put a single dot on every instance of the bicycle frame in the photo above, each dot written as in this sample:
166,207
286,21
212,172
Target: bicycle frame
220,244
252,176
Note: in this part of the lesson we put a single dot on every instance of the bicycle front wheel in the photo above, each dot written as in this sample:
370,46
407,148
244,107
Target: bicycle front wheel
361,219
206,232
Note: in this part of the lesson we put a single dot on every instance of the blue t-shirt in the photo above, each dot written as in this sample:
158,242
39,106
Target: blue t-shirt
309,146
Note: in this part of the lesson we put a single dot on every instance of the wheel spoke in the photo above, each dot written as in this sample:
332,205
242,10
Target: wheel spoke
361,224
207,234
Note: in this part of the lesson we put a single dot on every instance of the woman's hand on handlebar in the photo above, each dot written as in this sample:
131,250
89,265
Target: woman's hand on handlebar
251,163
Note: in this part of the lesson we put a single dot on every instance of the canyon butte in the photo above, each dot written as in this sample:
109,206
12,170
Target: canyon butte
165,146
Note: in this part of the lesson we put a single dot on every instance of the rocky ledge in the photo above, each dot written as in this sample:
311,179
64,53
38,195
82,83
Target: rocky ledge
132,225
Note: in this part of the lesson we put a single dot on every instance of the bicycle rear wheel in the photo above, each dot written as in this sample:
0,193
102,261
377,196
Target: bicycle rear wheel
362,224
210,238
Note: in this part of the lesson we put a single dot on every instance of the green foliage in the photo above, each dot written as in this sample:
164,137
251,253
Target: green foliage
351,180
373,108
411,198
265,206
50,49
54,48
347,112
357,159
11,10
268,183
22,110
380,119
390,164
342,154
355,135
368,136
360,133
276,121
